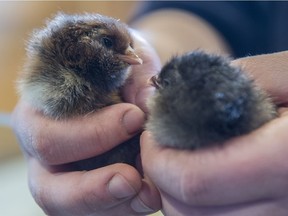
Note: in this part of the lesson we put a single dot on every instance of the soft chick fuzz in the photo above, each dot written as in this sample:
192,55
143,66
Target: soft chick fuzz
202,100
76,65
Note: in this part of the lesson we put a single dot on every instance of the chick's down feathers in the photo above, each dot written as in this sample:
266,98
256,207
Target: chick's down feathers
75,65
202,100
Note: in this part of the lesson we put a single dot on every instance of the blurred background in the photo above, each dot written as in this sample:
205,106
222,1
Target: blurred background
17,19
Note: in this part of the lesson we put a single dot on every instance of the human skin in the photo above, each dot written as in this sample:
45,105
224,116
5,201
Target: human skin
48,146
246,175
189,32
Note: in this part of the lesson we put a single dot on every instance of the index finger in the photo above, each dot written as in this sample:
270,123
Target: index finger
57,142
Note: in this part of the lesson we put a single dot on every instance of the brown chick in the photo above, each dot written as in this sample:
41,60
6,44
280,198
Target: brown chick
76,65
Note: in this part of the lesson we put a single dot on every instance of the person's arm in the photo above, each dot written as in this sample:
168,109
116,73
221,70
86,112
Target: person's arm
248,175
174,32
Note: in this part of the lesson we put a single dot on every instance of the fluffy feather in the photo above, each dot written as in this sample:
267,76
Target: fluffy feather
76,65
202,100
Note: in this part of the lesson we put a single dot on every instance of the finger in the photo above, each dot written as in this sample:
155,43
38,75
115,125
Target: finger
270,72
247,168
172,207
137,89
58,142
148,199
105,191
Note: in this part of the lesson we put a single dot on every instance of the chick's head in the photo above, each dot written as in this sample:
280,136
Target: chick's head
95,48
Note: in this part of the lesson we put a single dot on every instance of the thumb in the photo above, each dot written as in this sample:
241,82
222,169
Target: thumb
57,142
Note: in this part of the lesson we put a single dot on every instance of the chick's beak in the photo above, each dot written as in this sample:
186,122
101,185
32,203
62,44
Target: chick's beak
130,57
153,81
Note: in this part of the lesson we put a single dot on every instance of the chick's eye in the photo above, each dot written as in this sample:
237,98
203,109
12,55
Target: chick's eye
165,82
107,42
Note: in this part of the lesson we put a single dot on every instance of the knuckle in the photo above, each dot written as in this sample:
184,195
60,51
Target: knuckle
24,137
91,203
91,200
194,188
279,177
41,149
41,197
102,137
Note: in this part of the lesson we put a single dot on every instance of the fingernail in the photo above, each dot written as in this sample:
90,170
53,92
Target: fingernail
133,120
120,188
138,206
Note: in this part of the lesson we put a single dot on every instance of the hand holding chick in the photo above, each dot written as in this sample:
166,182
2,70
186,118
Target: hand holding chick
202,100
76,65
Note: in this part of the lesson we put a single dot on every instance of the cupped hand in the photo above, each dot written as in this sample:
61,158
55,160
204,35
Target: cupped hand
247,175
49,146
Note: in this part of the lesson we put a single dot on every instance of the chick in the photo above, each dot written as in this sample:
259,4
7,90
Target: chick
202,100
76,65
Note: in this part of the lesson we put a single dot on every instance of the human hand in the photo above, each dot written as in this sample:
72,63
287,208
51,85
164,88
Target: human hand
49,146
137,88
247,175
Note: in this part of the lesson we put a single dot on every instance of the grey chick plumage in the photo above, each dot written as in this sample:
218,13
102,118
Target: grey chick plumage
202,100
76,65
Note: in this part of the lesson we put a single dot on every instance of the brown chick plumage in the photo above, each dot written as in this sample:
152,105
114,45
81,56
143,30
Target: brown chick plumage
76,65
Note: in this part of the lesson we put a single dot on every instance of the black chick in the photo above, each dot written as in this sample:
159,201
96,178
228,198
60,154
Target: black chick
76,65
202,100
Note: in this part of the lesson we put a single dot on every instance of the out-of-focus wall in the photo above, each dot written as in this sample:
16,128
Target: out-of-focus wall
17,19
